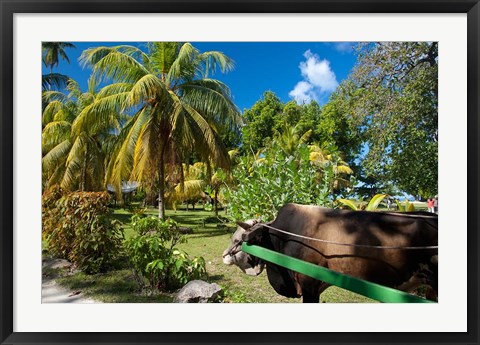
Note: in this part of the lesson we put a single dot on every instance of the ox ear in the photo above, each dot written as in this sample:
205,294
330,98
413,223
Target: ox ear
244,226
254,235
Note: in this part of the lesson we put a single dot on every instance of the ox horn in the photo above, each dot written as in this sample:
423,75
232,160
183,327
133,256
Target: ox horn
243,225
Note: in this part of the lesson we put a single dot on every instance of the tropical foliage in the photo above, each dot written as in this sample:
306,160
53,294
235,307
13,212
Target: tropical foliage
175,105
372,205
264,184
75,139
155,115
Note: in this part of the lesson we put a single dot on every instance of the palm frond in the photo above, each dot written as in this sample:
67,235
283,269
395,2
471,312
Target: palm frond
54,178
113,89
50,96
54,80
112,63
147,150
56,156
54,133
213,59
182,66
349,203
100,115
51,110
305,136
190,189
121,162
207,141
147,89
375,201
211,98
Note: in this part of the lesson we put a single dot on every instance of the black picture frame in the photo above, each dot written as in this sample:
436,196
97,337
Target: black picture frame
10,7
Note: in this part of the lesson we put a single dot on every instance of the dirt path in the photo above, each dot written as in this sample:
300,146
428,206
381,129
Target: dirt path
54,293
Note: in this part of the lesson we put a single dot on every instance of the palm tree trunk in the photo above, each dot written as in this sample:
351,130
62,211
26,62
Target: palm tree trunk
161,188
216,202
84,171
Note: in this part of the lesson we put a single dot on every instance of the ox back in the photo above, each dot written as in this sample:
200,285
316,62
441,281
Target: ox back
361,232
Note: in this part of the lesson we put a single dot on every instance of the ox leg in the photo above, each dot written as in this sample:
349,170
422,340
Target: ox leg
310,297
311,289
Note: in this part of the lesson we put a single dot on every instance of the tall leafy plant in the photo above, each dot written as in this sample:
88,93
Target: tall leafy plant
267,183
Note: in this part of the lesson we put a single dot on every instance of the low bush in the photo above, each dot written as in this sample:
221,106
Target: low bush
77,227
156,261
215,220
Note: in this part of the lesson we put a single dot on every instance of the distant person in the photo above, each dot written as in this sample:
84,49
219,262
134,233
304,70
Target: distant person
431,205
389,203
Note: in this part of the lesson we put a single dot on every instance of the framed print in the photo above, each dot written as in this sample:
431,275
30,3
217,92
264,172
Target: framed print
85,142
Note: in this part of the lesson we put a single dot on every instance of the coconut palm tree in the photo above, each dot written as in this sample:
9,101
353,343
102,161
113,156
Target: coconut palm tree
53,51
74,154
175,108
290,139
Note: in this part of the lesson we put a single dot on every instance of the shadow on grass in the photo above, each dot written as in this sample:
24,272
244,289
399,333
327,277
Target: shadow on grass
124,218
208,233
191,219
216,278
112,287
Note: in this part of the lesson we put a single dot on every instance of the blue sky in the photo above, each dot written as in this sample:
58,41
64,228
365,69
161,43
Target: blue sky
293,70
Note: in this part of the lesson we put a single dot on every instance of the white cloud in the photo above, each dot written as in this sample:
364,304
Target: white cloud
343,47
303,92
318,79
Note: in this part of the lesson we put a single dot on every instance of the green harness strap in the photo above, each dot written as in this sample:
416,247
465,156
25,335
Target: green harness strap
362,287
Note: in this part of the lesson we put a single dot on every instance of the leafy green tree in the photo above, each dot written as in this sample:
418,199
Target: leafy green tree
394,100
176,108
337,127
260,122
310,117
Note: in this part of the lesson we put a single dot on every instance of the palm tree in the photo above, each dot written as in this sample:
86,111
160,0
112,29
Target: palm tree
290,138
175,108
52,51
73,153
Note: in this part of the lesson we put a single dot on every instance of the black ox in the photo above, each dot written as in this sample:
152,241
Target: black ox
403,269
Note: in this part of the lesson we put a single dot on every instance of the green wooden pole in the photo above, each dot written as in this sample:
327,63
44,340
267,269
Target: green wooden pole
372,290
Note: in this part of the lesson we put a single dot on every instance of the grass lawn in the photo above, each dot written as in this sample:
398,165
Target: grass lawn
207,240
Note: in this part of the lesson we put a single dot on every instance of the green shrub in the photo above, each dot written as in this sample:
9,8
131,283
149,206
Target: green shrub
76,227
155,260
57,242
136,210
